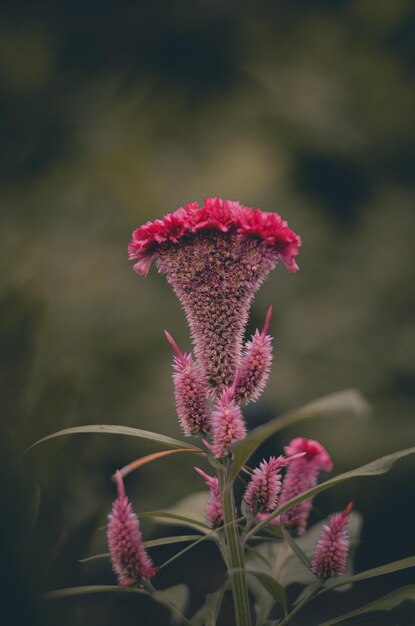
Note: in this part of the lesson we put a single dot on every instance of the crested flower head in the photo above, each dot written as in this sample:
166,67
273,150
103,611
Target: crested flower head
255,365
214,514
128,555
215,257
227,423
332,548
263,489
301,475
190,392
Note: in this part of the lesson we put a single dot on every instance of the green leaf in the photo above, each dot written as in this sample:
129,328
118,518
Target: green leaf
69,592
174,599
276,591
207,615
387,603
296,548
395,566
118,430
148,544
349,402
190,511
379,466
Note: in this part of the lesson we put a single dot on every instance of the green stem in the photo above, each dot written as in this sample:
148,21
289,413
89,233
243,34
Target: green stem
234,551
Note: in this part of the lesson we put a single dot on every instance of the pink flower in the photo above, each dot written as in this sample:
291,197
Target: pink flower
301,475
190,392
129,558
263,489
255,365
216,257
227,423
332,548
214,514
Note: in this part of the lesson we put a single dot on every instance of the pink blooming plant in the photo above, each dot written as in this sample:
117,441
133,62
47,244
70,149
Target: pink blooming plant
215,257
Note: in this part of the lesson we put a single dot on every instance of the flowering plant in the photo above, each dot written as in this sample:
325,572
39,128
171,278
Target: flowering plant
215,258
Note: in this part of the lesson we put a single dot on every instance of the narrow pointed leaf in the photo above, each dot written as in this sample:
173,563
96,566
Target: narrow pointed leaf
379,466
152,543
296,548
207,615
173,517
272,586
395,566
127,469
349,402
89,589
128,431
390,602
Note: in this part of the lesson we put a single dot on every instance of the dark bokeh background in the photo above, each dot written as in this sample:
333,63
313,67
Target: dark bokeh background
114,113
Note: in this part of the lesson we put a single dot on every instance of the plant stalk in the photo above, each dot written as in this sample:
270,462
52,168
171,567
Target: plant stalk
234,551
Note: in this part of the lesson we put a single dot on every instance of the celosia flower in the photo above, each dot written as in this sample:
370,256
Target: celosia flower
332,548
262,493
256,364
301,475
189,392
129,558
227,423
215,257
214,514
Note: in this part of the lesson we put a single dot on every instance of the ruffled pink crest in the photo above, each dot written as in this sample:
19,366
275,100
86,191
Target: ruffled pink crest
129,558
313,452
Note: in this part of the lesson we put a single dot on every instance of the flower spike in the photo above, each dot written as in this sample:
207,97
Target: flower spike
261,495
214,514
129,558
332,547
189,392
228,423
256,364
215,258
302,474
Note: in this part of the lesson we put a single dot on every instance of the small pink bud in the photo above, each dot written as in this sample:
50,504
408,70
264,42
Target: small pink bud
301,475
228,423
130,560
255,365
262,493
332,548
189,391
214,514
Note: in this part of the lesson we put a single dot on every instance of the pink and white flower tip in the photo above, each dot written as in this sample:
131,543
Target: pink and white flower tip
214,513
189,392
255,365
261,495
130,560
332,548
228,424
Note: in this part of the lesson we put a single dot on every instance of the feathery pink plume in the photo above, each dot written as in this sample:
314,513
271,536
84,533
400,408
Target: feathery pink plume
228,423
129,558
302,474
189,392
332,547
255,365
263,489
214,514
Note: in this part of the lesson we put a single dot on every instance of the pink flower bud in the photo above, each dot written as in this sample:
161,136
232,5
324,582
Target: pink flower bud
302,474
130,560
262,493
189,392
227,423
332,547
215,258
214,514
255,365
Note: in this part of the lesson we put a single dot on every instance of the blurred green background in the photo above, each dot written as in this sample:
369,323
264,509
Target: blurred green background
115,113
